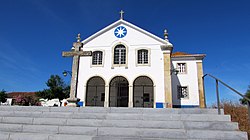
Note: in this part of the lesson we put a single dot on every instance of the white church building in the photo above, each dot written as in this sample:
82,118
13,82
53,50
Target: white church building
131,67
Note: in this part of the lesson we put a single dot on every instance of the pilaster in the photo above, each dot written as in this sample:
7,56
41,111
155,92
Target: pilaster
167,79
106,102
200,85
130,96
167,50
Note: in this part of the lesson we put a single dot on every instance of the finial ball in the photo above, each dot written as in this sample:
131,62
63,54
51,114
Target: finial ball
78,38
166,34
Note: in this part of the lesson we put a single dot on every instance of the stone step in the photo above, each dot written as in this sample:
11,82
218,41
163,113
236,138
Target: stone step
123,133
8,121
35,136
110,110
117,116
166,117
93,123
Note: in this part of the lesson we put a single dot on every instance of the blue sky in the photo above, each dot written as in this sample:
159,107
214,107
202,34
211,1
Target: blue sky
33,33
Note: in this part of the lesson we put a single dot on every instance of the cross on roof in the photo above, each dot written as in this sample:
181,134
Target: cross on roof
121,14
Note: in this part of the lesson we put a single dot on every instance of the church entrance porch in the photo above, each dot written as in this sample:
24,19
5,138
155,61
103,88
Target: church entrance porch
95,94
143,92
118,92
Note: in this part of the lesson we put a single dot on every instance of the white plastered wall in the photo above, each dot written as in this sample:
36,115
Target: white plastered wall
188,79
133,40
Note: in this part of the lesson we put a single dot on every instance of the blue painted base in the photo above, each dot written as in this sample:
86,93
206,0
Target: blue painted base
80,103
185,106
159,105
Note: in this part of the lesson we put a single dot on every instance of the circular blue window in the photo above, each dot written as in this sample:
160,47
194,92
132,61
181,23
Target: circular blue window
120,32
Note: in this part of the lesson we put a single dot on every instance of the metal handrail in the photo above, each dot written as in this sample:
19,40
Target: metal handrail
217,92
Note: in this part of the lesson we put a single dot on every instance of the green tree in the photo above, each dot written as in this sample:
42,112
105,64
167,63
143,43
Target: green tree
3,96
57,89
247,94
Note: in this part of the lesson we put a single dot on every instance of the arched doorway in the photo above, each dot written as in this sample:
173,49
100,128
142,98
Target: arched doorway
95,94
118,92
143,92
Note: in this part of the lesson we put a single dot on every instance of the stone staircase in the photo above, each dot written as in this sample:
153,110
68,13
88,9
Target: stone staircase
93,123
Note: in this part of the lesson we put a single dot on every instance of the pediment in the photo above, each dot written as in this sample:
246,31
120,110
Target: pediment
133,35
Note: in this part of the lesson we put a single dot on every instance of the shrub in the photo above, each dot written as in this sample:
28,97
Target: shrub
239,113
26,100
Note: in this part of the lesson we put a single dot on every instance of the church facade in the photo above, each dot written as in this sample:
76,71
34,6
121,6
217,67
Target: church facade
131,67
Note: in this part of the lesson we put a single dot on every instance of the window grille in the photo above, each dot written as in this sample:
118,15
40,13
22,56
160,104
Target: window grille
97,58
142,56
182,67
183,92
120,54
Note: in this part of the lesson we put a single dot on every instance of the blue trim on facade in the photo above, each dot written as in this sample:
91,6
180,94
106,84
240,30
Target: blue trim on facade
159,105
185,106
80,103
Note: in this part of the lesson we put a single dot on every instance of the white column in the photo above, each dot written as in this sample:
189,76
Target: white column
154,106
130,96
84,95
106,102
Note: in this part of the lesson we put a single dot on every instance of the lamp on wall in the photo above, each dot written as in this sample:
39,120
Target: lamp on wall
174,71
65,73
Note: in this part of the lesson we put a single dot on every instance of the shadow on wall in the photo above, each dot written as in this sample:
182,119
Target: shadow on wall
175,83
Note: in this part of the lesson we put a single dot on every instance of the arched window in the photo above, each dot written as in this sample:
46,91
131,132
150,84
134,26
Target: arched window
142,57
97,58
120,54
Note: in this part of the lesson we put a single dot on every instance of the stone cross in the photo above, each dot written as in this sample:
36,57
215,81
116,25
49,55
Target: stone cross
121,12
75,52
